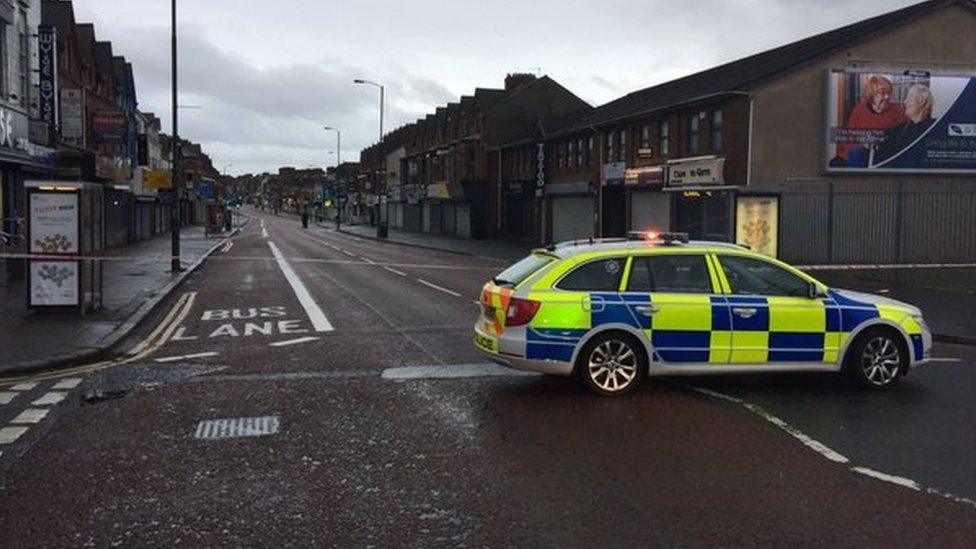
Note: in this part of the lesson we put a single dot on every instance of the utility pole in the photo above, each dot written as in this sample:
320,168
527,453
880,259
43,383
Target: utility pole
177,151
335,194
382,182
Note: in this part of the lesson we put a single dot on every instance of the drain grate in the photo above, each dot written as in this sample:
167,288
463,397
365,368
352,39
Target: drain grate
237,427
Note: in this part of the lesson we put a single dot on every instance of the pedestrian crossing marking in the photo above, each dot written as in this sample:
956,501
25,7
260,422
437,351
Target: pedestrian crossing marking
31,415
50,398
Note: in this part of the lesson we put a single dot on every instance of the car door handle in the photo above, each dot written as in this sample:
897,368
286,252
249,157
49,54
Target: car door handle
646,309
744,312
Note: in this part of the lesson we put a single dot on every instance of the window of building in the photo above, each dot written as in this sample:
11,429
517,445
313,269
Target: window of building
589,152
597,276
571,155
715,128
645,136
23,58
664,145
611,154
561,155
622,151
579,153
685,274
694,133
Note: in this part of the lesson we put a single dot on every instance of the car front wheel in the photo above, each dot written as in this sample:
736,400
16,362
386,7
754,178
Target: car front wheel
879,359
612,364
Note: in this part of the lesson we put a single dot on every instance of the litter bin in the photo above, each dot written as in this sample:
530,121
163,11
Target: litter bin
382,230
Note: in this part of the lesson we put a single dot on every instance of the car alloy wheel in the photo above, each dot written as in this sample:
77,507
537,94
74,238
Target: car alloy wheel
613,366
881,360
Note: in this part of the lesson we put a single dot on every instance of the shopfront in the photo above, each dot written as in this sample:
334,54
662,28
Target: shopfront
571,207
614,211
649,206
702,203
519,209
447,211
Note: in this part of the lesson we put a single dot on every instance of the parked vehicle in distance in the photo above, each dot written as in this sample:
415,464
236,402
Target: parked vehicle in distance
614,311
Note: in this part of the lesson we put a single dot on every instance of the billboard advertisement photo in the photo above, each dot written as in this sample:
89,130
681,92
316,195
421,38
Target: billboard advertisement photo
900,122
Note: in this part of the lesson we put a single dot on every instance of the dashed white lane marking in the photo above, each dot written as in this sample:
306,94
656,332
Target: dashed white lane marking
66,384
830,454
315,314
24,386
10,434
945,360
30,416
347,252
367,260
187,357
394,271
452,371
50,398
293,341
900,481
6,397
438,288
227,247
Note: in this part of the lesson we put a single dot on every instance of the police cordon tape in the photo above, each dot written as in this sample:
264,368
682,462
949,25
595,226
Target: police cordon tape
167,257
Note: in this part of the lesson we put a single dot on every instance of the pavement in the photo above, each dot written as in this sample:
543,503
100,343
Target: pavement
134,276
946,295
371,420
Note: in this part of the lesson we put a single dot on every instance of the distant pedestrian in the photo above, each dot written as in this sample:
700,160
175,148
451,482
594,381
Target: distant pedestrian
305,218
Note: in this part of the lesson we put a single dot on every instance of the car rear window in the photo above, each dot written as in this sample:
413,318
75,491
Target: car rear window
522,270
597,276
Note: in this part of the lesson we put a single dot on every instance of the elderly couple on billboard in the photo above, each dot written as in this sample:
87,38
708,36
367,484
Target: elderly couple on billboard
878,127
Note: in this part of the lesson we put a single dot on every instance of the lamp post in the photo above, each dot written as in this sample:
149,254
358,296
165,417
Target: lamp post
335,194
174,214
381,184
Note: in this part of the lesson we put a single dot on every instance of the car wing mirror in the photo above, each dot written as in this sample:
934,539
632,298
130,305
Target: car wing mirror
814,291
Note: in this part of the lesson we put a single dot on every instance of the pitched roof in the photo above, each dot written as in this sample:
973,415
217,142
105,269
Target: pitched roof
59,14
743,74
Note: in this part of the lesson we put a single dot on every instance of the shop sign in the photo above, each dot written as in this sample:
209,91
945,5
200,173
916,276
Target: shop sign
757,223
646,176
158,179
108,125
14,128
645,152
54,223
73,116
47,39
540,166
613,173
698,171
438,190
901,121
112,168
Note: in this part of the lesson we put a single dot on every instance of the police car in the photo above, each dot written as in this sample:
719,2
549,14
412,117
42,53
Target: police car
614,311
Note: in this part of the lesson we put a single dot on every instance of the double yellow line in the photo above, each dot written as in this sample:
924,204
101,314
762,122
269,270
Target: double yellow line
156,339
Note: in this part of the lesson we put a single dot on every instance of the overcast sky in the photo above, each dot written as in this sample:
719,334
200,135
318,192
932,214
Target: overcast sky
269,75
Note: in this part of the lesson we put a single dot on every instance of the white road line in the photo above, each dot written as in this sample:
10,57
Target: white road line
293,341
347,252
900,481
452,371
10,434
830,454
24,386
30,416
367,260
315,314
66,384
228,246
187,357
945,360
49,399
394,271
6,397
439,288
264,232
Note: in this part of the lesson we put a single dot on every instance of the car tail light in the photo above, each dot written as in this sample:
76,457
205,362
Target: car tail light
520,311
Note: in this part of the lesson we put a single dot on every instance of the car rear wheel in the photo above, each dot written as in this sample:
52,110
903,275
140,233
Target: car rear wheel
612,364
878,359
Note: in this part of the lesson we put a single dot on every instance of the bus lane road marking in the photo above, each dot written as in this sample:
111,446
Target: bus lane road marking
319,321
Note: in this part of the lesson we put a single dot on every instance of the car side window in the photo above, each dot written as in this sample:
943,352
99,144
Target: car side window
596,276
756,277
671,273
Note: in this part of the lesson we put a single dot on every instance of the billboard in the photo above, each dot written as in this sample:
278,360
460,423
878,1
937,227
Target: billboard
900,122
757,223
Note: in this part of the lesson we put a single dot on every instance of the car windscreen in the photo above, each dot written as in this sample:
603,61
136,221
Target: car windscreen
522,270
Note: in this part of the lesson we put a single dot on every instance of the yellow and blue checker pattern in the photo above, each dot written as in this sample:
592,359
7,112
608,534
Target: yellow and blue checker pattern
717,328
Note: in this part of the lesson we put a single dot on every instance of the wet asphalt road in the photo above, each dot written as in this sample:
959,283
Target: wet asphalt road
502,460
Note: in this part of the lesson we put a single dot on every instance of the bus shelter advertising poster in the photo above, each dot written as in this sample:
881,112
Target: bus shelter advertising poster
54,223
910,121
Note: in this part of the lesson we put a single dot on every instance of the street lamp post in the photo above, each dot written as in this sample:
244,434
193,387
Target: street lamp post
174,214
382,182
335,194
